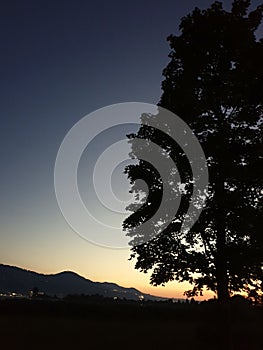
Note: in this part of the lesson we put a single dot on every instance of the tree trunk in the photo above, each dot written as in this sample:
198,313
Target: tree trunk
221,268
221,256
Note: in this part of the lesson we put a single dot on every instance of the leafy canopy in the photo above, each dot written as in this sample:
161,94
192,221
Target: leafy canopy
214,82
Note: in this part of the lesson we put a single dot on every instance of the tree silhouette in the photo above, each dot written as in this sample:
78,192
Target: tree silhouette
214,82
34,293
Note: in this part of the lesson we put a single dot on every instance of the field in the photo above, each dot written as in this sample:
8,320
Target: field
28,324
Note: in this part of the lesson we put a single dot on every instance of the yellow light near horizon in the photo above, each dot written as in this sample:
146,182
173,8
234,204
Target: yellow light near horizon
70,252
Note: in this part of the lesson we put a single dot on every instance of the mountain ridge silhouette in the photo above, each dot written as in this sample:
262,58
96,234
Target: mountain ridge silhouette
14,279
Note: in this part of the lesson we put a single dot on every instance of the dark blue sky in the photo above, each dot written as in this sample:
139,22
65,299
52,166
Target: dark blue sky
59,61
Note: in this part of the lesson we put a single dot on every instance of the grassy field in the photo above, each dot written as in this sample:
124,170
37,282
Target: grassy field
63,325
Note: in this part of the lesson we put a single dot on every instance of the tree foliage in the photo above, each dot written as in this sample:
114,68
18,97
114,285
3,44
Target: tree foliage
214,82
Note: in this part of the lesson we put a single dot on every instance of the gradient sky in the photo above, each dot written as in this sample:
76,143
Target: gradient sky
61,60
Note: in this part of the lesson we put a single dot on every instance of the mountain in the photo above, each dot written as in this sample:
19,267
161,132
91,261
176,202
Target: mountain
16,280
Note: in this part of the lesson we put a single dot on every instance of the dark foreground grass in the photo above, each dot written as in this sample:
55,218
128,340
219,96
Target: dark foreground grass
64,325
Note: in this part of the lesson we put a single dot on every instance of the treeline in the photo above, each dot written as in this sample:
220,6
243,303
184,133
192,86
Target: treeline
100,307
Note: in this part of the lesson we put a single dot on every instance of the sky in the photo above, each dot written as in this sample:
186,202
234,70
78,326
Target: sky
60,61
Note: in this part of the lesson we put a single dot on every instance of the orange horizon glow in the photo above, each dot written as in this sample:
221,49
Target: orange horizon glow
173,290
69,252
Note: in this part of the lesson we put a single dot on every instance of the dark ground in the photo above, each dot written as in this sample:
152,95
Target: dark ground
97,324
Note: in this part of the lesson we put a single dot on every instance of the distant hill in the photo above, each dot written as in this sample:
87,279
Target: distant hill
17,280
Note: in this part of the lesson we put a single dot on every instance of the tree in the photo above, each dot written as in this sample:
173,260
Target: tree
34,293
214,82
